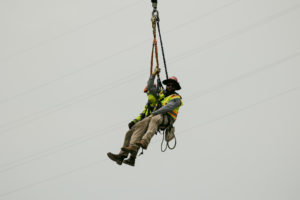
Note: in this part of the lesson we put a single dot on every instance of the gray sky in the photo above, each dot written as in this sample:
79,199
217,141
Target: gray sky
72,77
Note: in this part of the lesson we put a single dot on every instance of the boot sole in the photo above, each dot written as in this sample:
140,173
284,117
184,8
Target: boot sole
128,163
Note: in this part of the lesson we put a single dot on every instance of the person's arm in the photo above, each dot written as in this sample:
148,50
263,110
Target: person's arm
139,118
174,103
150,86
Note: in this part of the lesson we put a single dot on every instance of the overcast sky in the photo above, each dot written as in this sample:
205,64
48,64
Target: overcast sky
72,74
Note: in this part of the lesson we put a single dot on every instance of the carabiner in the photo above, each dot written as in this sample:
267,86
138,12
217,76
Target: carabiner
155,15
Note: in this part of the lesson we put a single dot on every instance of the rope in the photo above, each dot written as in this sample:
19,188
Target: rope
162,49
162,142
174,144
155,23
154,49
167,143
154,44
151,63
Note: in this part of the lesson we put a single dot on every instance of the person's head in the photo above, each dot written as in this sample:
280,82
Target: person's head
172,84
151,97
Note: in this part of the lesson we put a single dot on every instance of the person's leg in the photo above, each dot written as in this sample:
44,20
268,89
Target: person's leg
138,132
131,160
118,158
126,141
132,149
154,124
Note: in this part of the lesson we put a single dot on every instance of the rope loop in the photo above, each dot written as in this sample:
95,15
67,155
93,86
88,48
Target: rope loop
167,143
162,143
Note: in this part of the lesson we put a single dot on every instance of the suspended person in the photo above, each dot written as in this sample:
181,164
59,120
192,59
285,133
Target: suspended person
134,124
162,117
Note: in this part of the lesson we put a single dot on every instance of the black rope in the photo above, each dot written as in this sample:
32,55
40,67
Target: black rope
162,49
159,86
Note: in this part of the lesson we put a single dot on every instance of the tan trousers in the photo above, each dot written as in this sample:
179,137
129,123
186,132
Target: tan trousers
145,130
135,134
155,122
126,142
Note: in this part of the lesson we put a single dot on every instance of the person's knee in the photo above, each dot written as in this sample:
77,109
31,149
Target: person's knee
157,118
129,133
141,123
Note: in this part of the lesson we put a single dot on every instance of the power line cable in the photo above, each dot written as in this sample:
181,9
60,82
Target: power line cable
83,139
60,106
234,34
101,60
93,93
58,148
294,89
78,28
54,177
240,77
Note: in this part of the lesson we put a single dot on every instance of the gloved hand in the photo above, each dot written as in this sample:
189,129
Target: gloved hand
131,124
156,71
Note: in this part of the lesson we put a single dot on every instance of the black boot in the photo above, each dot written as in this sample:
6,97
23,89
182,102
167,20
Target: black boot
130,161
116,157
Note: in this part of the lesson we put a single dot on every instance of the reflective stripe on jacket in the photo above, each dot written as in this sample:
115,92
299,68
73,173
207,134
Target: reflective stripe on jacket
167,99
149,108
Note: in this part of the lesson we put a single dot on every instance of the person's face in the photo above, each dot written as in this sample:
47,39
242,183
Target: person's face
170,87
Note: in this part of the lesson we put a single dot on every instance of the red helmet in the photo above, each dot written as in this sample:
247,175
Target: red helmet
173,80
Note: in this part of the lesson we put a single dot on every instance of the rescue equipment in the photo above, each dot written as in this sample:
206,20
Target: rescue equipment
168,135
168,132
155,24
